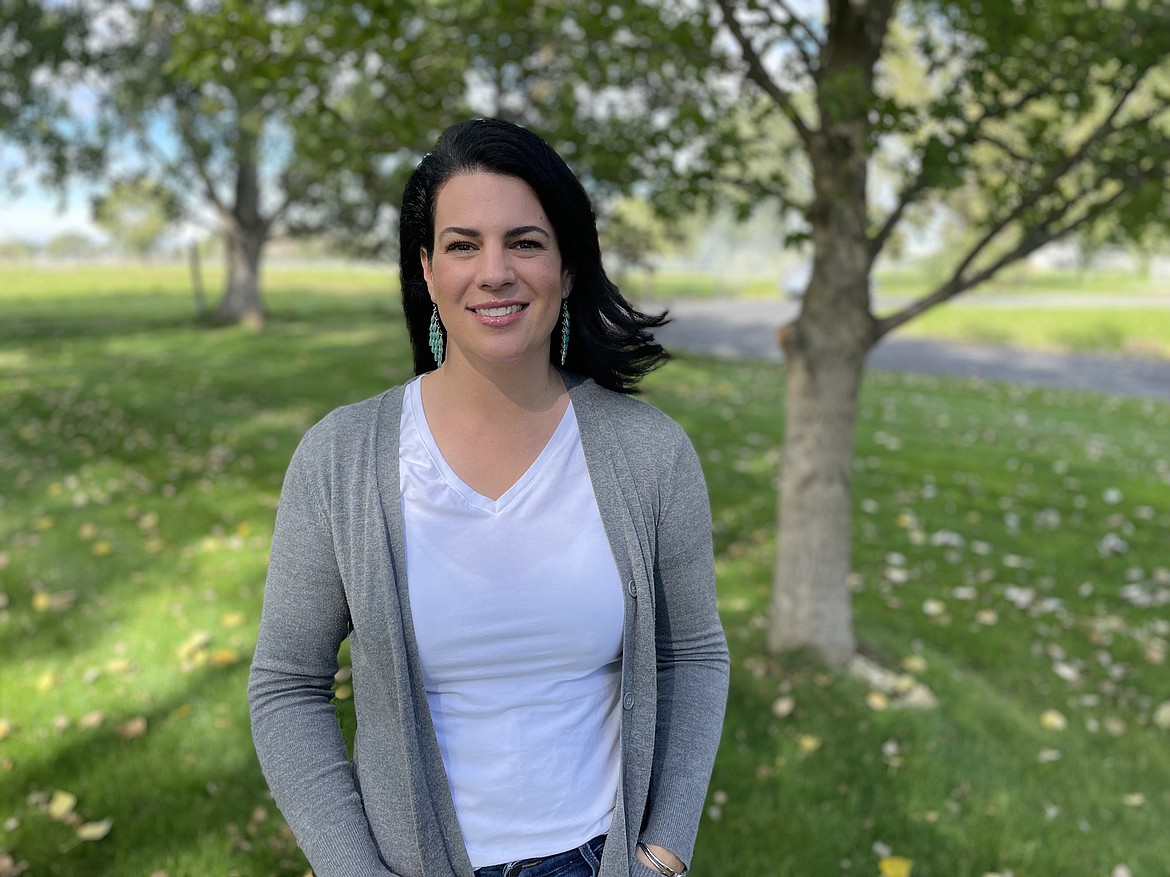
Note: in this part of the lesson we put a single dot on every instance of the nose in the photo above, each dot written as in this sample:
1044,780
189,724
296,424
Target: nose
495,268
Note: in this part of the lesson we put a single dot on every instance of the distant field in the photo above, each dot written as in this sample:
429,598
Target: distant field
1131,331
913,283
1137,323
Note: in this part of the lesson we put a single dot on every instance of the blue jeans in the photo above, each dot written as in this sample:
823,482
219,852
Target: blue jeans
585,861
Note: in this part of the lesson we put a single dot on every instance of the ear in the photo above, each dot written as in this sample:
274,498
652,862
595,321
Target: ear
426,266
566,283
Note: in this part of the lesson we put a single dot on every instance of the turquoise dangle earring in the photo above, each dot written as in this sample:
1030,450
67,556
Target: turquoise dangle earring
436,336
564,331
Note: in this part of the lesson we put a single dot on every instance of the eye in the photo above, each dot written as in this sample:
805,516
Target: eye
458,247
528,244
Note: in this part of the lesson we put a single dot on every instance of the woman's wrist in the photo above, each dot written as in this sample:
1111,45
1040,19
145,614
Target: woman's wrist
660,859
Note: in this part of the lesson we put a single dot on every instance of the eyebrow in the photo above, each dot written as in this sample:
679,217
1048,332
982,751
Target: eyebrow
510,233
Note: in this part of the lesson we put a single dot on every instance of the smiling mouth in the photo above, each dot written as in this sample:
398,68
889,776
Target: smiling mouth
499,312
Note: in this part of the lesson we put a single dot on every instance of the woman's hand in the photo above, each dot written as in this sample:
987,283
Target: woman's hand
663,855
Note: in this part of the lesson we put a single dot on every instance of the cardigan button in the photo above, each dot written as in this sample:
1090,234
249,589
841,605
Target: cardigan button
629,701
633,589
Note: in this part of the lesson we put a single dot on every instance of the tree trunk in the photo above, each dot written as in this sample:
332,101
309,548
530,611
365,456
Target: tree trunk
247,232
196,267
810,595
825,350
241,301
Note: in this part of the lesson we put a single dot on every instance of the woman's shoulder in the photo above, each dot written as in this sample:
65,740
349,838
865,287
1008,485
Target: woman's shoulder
629,417
351,424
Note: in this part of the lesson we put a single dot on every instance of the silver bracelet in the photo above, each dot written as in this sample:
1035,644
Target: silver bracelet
660,866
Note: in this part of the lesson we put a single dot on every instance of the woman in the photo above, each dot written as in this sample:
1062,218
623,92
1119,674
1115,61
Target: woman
519,553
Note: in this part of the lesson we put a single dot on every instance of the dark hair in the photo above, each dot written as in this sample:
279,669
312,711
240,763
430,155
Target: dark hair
609,339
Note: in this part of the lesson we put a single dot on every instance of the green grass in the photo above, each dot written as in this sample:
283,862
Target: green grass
1025,280
140,463
1130,330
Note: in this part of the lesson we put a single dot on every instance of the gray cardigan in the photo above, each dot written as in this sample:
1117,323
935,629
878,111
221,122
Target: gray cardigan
337,569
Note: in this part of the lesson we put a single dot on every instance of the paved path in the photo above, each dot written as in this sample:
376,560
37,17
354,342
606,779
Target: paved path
747,328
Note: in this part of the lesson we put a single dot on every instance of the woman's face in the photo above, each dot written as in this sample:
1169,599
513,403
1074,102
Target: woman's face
496,272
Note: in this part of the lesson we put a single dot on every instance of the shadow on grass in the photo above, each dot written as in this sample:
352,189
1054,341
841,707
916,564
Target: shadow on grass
220,807
141,463
94,317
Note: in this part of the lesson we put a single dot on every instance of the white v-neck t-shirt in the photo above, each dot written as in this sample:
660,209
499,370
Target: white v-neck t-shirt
517,607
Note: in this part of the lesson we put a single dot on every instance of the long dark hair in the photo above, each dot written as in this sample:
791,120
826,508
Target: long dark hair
610,341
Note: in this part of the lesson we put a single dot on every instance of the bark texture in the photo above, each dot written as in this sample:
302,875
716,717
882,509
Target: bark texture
246,230
825,350
241,301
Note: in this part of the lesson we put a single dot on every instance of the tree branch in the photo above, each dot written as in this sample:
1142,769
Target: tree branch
759,74
1048,182
190,142
798,22
966,137
971,134
790,26
1041,234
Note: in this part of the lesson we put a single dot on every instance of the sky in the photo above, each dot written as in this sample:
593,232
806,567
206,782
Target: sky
35,216
30,212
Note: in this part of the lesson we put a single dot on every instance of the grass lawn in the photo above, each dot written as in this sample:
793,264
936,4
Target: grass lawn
1009,553
1130,330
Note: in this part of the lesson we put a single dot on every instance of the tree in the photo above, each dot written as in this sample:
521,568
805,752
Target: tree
72,245
306,117
1036,121
214,97
136,213
41,43
597,80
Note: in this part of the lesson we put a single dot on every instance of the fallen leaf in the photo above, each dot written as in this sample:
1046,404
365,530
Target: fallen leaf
914,664
1052,720
92,831
783,706
224,657
895,866
132,729
808,743
120,666
933,608
193,645
9,867
877,700
1162,716
61,804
